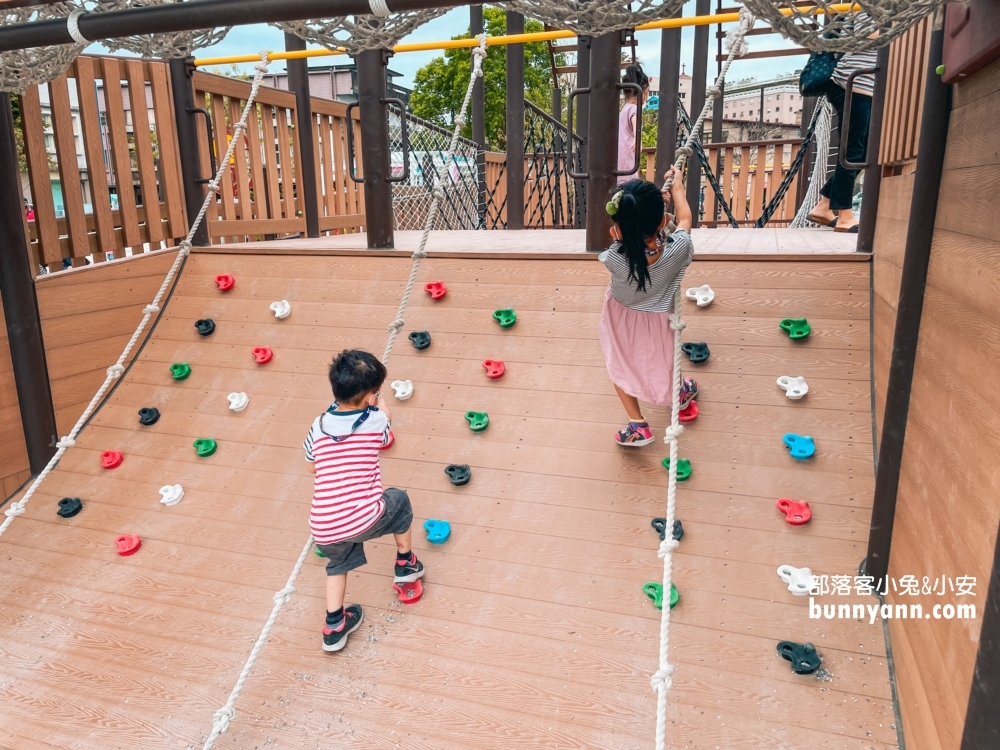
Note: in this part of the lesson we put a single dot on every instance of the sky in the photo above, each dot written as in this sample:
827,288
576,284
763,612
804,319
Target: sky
252,39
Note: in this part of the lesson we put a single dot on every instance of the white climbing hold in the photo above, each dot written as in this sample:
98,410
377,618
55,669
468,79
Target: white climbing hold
403,389
281,309
703,295
238,401
794,388
799,580
171,494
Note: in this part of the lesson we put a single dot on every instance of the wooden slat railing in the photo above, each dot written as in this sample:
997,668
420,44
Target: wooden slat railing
746,186
904,95
129,152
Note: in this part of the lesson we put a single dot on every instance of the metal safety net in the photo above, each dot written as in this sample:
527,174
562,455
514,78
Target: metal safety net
816,27
596,17
21,69
172,44
426,162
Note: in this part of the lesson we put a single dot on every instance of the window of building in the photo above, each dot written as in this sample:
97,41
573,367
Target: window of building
769,110
779,96
769,98
790,109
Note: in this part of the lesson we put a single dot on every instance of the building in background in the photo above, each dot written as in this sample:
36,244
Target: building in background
338,82
773,101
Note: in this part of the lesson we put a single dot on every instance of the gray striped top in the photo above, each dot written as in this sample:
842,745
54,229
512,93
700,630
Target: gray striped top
863,84
664,275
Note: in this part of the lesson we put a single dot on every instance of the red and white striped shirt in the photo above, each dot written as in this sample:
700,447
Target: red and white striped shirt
347,494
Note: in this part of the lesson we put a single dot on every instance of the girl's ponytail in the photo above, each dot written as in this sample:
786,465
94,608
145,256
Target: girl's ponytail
637,208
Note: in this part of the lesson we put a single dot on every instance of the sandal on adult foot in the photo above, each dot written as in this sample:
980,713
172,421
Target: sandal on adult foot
847,230
821,221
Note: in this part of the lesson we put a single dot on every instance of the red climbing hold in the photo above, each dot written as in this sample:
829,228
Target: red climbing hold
796,512
436,289
225,282
262,355
494,368
409,593
111,459
689,413
388,445
128,544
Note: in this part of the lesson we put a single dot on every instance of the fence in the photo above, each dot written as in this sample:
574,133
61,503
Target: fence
905,95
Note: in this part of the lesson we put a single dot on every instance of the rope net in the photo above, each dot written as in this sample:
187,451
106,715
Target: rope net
171,44
596,17
823,120
820,30
360,33
21,69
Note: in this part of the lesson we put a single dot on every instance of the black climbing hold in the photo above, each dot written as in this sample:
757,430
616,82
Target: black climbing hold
803,656
205,327
149,415
69,507
420,339
660,526
459,474
697,352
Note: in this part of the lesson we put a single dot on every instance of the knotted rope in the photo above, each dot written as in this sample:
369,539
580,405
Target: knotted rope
662,679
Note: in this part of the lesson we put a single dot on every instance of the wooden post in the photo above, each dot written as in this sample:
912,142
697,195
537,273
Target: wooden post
20,307
805,171
582,116
916,257
602,143
479,120
298,84
186,124
699,82
982,721
515,125
666,114
375,147
873,175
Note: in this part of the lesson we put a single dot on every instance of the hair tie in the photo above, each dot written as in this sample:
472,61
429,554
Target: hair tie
614,203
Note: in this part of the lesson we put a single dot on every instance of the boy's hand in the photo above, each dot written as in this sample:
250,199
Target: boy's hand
672,175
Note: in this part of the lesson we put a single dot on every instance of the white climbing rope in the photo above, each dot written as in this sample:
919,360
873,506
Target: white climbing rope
225,714
662,679
116,370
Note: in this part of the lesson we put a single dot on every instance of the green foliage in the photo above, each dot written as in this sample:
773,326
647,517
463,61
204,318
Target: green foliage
439,87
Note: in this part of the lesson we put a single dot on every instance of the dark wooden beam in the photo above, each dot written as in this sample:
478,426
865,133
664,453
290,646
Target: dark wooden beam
515,124
375,147
873,175
982,720
479,119
298,84
186,123
699,82
602,141
666,113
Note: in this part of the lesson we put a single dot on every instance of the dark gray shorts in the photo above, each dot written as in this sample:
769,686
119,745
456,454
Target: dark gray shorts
349,554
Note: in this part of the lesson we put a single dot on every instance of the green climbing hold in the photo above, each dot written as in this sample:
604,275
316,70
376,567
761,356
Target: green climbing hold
939,70
318,551
506,318
180,370
796,328
478,420
205,446
683,468
655,593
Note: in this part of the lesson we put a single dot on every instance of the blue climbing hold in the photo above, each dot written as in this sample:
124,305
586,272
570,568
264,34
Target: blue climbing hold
800,447
437,531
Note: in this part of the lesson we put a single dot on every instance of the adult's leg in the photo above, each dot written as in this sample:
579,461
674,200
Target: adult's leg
631,404
834,95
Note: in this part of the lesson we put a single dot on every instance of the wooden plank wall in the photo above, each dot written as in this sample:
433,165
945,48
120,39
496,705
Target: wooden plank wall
905,94
949,494
88,315
887,265
13,455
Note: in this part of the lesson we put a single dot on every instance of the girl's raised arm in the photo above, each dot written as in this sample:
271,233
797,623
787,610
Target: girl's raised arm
682,211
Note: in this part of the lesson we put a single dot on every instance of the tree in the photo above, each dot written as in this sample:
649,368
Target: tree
439,87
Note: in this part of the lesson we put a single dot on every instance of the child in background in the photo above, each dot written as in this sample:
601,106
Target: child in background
349,506
627,121
646,266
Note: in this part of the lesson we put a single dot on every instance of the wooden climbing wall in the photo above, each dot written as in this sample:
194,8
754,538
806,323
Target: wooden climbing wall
534,631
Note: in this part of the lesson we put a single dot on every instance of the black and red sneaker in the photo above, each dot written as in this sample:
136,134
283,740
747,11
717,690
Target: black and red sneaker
407,571
336,639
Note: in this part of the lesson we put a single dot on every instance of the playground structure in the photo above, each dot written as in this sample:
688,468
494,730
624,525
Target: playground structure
512,643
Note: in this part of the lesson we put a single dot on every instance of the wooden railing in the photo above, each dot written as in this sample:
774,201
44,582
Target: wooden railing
750,173
904,98
127,171
496,190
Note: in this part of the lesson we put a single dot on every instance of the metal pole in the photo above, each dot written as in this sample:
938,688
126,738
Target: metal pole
873,175
919,238
20,307
204,14
479,120
582,116
602,145
666,114
699,81
515,125
182,90
375,146
298,84
557,151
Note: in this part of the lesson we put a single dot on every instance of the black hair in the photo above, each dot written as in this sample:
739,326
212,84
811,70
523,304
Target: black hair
354,373
635,74
639,215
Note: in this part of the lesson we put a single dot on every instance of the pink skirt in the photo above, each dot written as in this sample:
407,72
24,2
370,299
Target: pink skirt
638,351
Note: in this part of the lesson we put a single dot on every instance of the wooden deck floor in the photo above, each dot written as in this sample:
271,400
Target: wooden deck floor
533,631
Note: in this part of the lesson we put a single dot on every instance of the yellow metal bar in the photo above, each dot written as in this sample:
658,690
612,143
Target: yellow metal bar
493,41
